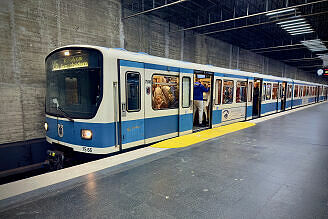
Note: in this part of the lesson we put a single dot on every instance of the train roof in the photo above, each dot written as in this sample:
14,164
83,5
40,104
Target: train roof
144,57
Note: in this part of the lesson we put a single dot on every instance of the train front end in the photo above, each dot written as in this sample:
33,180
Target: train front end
74,106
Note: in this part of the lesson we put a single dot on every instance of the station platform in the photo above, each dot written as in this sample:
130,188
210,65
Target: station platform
274,169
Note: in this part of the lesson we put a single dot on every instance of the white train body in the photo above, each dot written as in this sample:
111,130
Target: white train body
102,100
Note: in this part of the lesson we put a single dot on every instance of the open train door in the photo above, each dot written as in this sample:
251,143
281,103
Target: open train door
186,100
317,94
283,87
257,94
132,107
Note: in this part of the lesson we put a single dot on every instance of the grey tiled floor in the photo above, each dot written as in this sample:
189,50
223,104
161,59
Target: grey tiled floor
276,169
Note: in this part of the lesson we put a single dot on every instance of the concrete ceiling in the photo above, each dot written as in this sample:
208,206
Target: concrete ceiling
245,23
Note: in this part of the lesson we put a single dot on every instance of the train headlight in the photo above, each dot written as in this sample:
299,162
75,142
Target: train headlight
46,126
86,134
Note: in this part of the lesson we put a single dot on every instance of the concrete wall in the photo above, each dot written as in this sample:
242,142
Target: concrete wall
30,29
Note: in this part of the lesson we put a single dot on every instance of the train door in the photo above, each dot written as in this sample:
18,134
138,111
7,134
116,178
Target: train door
202,103
257,93
186,102
283,87
132,110
161,103
275,88
317,94
289,91
217,102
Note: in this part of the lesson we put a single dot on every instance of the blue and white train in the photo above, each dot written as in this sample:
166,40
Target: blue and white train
102,100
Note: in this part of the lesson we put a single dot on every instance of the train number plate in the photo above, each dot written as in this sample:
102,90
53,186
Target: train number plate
87,149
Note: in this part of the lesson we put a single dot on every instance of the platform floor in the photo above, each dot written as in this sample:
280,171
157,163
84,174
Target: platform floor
276,169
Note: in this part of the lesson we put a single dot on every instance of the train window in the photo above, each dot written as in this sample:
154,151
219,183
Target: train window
304,91
133,92
72,95
165,92
289,94
296,91
264,91
185,92
307,90
268,91
275,91
228,92
250,91
218,88
241,92
281,91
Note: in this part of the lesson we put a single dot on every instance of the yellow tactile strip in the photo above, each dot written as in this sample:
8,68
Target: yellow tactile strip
190,139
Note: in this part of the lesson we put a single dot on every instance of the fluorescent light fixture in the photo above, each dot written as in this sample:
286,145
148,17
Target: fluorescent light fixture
280,12
301,33
315,45
291,21
297,23
296,26
299,29
294,31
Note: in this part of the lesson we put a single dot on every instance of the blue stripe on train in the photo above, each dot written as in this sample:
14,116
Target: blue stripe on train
154,66
161,126
249,111
268,107
186,122
103,134
217,117
297,102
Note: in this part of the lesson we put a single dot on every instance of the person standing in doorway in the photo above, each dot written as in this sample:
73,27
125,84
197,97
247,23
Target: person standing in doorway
198,99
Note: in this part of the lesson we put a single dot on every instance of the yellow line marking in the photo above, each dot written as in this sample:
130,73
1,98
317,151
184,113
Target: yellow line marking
190,139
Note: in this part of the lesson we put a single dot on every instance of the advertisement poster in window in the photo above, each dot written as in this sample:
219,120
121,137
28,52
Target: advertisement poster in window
233,113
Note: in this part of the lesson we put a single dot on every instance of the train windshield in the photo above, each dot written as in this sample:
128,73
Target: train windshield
74,83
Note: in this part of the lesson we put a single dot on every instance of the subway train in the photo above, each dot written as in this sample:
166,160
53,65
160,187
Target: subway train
103,100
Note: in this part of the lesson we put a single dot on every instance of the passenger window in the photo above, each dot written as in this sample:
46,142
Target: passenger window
218,87
304,91
268,92
250,91
185,92
281,91
289,94
133,91
241,92
228,92
275,91
165,92
296,91
264,91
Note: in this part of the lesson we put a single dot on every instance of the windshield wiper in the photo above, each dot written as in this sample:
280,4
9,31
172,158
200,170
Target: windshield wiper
65,114
55,101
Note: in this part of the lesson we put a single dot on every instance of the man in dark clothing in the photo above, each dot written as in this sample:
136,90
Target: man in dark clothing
198,99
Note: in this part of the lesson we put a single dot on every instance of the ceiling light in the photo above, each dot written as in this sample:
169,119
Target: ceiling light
291,21
297,23
296,26
280,12
302,33
315,45
299,29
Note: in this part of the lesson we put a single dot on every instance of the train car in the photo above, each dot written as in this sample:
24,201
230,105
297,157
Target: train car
102,100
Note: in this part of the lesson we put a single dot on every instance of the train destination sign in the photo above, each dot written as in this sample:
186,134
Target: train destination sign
70,62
